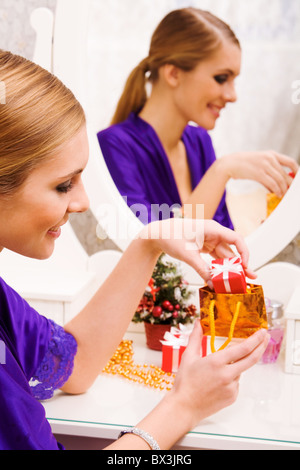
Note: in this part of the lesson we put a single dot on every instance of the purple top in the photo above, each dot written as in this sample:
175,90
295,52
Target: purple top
141,170
36,357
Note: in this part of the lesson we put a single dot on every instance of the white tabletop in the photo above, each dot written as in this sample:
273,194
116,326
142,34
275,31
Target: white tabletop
266,414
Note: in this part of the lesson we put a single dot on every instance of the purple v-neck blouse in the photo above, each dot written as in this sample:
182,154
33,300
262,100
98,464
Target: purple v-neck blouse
36,357
141,170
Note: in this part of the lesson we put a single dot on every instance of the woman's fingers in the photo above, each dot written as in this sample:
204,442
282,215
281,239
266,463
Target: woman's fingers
289,162
244,355
186,239
267,167
274,176
194,346
218,241
239,356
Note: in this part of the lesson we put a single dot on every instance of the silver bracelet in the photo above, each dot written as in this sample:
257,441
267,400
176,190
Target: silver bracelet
144,435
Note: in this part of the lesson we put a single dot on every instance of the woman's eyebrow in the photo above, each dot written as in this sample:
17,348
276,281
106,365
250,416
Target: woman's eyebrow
70,175
228,71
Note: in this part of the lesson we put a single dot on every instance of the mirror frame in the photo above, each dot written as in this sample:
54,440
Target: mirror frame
70,65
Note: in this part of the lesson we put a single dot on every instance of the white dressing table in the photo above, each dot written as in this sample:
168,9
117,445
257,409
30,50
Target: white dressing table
266,414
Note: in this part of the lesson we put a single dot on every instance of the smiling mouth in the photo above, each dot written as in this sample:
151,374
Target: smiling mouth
215,109
54,232
57,228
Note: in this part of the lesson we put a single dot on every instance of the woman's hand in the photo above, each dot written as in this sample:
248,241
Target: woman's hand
185,239
265,167
204,386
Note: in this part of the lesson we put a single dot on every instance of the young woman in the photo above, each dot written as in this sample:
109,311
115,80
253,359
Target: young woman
155,157
43,151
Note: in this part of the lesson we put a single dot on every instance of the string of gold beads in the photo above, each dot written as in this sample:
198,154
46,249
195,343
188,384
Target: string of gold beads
122,364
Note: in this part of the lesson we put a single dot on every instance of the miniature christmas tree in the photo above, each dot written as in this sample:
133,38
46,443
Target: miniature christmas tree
165,300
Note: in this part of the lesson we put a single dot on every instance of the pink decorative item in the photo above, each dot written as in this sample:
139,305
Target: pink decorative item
273,349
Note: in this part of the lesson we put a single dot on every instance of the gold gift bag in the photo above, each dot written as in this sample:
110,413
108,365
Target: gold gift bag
232,315
272,202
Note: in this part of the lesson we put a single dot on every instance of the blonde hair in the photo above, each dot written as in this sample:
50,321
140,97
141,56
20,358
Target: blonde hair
39,114
183,38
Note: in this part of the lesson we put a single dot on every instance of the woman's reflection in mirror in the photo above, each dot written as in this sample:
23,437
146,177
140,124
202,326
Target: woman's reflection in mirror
158,149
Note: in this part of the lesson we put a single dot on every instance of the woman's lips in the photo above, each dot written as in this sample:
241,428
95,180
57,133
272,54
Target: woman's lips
215,109
54,232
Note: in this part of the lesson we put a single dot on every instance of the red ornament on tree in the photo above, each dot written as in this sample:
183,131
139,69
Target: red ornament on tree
157,311
145,304
166,304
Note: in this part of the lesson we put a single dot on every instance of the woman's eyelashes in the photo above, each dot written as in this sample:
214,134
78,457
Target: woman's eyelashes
222,78
64,187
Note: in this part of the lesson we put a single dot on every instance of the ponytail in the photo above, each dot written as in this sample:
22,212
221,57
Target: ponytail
134,95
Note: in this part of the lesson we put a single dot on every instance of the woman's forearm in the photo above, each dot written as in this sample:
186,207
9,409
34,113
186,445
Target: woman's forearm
167,423
101,325
208,192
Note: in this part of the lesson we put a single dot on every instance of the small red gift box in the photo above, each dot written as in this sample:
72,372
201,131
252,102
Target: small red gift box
173,346
171,357
228,276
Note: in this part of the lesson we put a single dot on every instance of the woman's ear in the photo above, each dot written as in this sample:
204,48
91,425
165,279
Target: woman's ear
171,74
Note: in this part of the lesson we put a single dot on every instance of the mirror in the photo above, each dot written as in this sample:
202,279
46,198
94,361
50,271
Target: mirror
267,114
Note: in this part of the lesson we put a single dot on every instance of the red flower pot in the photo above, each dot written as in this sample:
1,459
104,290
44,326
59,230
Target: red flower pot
154,334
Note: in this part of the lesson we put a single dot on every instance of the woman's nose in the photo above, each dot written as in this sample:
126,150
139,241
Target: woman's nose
230,94
80,201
